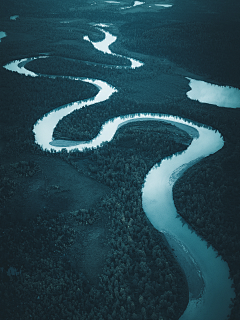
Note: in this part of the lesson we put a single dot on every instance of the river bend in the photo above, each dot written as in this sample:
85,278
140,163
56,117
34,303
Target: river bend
212,298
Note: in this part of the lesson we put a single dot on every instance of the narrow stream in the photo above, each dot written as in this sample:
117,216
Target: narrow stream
210,289
103,46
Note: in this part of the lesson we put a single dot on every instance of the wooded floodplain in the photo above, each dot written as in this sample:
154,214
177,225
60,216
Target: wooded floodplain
83,248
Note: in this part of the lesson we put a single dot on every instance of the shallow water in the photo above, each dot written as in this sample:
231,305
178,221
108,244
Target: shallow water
159,207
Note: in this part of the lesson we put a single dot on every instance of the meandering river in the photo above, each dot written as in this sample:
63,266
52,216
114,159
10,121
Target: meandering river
2,35
210,289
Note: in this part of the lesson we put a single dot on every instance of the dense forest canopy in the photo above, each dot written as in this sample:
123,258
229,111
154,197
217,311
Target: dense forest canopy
72,225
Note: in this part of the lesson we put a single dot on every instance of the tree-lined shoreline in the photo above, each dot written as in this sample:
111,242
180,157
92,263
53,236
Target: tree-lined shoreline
137,249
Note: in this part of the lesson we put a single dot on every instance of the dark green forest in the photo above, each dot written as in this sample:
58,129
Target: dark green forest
196,45
138,276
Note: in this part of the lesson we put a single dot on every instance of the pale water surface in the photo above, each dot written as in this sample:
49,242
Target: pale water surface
136,3
103,46
221,96
2,35
164,5
14,17
212,302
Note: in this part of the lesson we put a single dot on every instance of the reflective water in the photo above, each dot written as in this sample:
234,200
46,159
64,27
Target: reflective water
138,3
103,46
211,300
164,5
220,96
19,67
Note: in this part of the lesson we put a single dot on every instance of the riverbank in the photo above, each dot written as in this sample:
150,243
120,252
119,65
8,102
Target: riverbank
177,104
86,247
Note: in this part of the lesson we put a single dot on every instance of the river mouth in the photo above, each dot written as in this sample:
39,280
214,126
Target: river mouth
110,134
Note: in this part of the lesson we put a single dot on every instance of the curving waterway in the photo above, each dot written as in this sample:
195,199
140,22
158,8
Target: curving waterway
103,46
210,289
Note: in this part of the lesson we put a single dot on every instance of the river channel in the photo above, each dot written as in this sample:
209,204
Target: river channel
210,291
